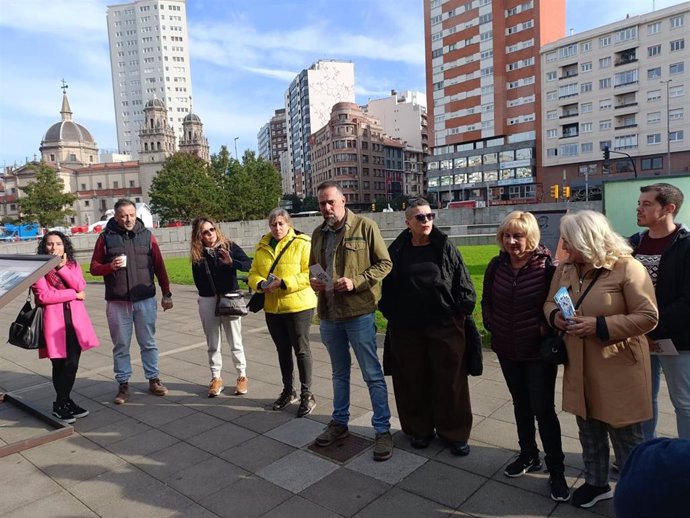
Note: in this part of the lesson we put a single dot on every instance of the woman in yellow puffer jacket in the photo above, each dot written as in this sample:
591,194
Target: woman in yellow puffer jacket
289,304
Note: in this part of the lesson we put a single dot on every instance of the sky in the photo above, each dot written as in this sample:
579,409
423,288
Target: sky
243,56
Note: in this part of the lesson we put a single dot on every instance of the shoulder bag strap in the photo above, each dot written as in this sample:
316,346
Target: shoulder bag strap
275,262
210,277
582,297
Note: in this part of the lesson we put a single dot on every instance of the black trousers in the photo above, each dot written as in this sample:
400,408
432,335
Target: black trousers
65,369
430,380
291,331
532,384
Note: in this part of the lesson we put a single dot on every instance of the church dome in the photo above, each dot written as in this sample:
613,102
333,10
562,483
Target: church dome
191,117
67,130
155,103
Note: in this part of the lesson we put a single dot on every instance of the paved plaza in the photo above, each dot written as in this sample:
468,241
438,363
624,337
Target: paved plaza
186,455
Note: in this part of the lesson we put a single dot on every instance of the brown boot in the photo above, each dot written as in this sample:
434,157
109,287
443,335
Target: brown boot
122,394
157,388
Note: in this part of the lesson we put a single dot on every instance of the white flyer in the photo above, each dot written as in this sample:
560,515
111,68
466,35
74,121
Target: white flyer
317,271
662,347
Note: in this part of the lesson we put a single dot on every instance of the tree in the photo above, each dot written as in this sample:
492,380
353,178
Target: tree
252,188
185,189
44,200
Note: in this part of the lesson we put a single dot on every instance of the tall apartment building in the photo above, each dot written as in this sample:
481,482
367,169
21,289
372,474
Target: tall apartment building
272,139
149,59
403,117
308,103
484,98
621,86
352,149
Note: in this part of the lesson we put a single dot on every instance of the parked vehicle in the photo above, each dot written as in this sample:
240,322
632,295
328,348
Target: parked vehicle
12,232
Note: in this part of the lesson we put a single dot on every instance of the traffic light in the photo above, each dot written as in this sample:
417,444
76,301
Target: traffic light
373,207
566,192
404,205
607,156
554,191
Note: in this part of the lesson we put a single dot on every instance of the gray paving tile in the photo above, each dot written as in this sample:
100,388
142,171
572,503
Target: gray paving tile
484,459
442,483
116,431
248,498
128,492
536,482
163,463
56,505
205,478
144,443
298,507
296,432
496,433
221,438
361,425
402,504
262,422
72,460
154,411
21,482
297,471
496,499
392,471
256,453
98,417
345,491
192,425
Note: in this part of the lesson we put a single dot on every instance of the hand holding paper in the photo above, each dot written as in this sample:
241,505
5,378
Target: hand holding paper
320,280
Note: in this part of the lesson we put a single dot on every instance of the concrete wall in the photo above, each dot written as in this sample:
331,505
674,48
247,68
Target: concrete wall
465,226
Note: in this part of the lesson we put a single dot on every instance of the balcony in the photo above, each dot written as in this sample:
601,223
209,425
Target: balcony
634,125
568,115
568,75
625,105
631,83
624,61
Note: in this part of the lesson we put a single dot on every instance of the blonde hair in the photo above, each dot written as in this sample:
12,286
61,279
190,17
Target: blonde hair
196,249
590,233
524,222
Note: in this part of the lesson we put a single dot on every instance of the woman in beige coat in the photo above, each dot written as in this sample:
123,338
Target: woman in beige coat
607,379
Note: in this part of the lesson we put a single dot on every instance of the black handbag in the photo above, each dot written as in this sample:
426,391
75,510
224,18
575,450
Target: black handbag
552,348
227,304
473,348
257,300
27,329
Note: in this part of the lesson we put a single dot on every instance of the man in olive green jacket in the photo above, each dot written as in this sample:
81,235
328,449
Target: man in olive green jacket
352,252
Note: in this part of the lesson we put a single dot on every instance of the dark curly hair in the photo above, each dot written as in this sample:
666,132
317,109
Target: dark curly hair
67,242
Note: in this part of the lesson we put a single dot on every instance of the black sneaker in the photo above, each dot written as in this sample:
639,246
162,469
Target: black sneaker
286,398
306,405
587,495
525,463
420,442
459,448
76,410
559,487
62,412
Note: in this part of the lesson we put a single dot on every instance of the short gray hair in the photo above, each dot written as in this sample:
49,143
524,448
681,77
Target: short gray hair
278,212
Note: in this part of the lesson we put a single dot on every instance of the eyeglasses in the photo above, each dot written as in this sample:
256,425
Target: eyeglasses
208,231
431,216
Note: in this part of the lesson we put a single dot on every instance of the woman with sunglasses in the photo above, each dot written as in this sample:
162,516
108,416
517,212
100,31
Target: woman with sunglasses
67,329
425,299
215,261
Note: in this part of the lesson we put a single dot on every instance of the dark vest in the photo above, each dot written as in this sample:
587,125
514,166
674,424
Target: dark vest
135,282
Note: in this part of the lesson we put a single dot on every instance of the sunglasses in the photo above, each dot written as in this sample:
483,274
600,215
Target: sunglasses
208,231
431,216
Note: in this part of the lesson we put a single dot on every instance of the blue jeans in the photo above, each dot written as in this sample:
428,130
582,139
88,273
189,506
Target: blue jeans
677,373
360,334
122,316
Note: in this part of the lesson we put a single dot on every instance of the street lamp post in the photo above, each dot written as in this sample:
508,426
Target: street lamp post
236,157
668,128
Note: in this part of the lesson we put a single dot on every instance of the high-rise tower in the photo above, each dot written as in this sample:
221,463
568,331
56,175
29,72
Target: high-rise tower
149,59
484,95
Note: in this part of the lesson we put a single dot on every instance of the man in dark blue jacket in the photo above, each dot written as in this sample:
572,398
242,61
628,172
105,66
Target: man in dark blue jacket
664,249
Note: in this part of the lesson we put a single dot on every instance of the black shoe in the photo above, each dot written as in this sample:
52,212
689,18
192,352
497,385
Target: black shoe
306,405
525,463
287,397
418,442
459,448
559,487
76,410
587,495
61,411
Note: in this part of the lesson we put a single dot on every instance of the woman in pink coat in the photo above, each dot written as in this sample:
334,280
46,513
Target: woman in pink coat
67,328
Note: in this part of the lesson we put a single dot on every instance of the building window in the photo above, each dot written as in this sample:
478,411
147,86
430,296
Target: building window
675,114
653,95
586,127
586,67
83,187
605,125
552,133
551,115
675,136
605,104
654,73
115,185
586,108
656,162
654,28
87,203
586,46
568,150
627,34
675,91
625,142
605,41
586,147
654,118
99,185
677,45
551,152
551,76
677,21
654,50
586,87
604,83
605,62
552,95
654,138
676,68
625,78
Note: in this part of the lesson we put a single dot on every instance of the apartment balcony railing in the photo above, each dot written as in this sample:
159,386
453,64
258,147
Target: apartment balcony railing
625,105
624,61
625,126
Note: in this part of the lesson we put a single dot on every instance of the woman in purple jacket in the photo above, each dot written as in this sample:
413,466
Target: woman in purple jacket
67,329
515,286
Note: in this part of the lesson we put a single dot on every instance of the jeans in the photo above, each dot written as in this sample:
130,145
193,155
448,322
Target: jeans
213,326
122,316
677,373
291,331
532,384
359,333
649,427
